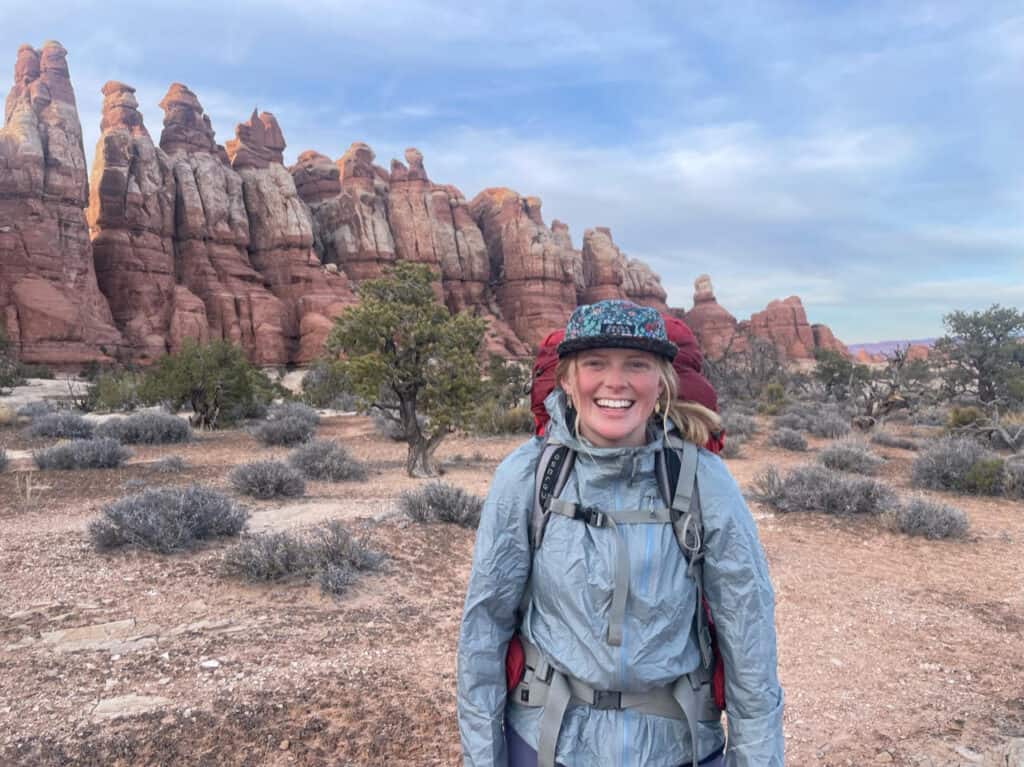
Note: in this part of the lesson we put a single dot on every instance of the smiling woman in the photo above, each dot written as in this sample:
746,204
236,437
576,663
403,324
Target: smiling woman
642,532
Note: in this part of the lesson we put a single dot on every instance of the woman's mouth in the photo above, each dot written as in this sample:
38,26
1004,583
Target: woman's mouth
614,404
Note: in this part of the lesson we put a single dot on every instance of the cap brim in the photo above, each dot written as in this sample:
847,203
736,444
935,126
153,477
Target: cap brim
665,349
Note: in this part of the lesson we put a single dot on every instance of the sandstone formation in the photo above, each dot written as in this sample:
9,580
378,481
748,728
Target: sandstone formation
824,339
281,240
603,267
131,218
532,271
348,204
714,327
50,305
784,323
211,235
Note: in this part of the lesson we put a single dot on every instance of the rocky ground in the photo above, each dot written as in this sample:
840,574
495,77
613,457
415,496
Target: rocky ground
892,650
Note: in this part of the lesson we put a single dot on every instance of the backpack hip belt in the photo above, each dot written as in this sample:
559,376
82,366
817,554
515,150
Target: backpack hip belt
688,699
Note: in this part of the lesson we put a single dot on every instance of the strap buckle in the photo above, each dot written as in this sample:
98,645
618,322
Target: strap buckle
592,516
607,699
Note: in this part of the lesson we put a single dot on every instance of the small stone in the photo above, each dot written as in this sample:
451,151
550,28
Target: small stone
284,744
883,757
209,665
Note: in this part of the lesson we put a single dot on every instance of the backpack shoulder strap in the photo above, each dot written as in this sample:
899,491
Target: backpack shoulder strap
553,469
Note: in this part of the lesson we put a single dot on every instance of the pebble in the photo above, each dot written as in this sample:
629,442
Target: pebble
209,665
283,745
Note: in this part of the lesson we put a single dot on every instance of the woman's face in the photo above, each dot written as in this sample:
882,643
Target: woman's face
614,391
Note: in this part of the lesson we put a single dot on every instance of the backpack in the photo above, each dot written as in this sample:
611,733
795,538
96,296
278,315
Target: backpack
688,364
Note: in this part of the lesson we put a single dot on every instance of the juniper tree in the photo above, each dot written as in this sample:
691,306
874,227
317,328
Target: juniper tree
409,358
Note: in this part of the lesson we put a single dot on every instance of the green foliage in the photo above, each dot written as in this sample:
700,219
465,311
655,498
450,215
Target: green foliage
113,392
840,377
965,416
216,381
985,477
408,357
326,385
772,399
10,370
491,418
983,353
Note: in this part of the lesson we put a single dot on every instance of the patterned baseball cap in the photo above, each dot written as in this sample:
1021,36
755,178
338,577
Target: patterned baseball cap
616,324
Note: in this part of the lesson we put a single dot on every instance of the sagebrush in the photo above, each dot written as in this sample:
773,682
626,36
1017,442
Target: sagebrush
788,439
172,464
146,429
103,453
326,460
850,456
267,479
958,464
167,519
815,488
739,424
919,516
289,423
888,439
441,502
61,425
329,553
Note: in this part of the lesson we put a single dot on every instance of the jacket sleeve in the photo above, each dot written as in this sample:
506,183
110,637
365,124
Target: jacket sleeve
501,566
742,603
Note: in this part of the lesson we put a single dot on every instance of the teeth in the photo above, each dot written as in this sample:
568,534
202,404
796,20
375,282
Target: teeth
616,403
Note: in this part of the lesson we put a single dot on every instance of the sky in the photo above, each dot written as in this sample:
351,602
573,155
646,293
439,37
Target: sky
868,157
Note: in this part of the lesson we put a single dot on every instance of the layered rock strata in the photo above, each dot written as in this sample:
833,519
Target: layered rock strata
281,239
51,307
131,218
533,272
715,328
211,235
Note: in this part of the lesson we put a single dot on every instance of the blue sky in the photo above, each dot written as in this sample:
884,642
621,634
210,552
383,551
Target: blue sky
867,157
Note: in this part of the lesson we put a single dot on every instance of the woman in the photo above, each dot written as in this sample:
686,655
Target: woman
604,603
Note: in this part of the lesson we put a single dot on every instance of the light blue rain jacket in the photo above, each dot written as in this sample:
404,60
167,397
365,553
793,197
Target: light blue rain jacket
567,619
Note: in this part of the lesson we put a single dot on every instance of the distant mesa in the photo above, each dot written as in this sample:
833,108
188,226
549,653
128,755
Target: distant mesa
183,238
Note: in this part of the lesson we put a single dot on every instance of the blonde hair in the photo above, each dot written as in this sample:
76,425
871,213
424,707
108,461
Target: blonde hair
694,422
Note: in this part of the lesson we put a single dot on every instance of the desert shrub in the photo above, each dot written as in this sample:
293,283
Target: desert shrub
113,392
37,408
167,519
441,502
267,479
216,380
888,439
850,456
919,516
739,424
965,416
788,439
829,424
329,552
492,418
985,477
325,460
287,424
172,464
82,454
326,385
288,430
146,429
1013,480
733,447
791,420
3,458
929,416
62,425
815,488
772,399
946,463
387,427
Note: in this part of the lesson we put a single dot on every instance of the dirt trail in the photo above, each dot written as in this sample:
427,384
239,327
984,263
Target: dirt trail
891,649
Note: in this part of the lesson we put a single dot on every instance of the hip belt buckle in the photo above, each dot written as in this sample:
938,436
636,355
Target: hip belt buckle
607,699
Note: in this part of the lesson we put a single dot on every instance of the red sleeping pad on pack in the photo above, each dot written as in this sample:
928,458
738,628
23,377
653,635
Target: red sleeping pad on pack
688,364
